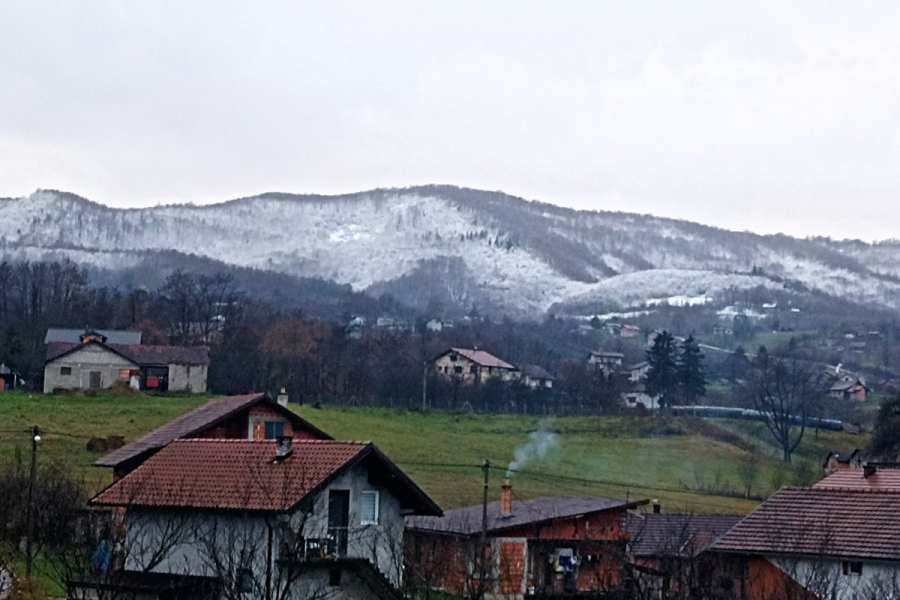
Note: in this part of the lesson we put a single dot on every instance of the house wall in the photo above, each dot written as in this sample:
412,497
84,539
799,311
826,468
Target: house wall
780,578
382,544
470,371
445,562
82,361
187,378
201,535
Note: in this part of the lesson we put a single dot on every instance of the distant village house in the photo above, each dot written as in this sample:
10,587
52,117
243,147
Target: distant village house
92,362
474,366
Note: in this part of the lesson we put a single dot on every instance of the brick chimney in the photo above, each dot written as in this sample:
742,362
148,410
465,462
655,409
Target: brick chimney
868,470
506,499
284,447
657,507
282,398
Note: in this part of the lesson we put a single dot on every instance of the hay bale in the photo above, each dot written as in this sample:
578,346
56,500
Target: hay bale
96,444
114,442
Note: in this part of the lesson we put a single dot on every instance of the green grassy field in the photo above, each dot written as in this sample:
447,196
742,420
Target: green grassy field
638,458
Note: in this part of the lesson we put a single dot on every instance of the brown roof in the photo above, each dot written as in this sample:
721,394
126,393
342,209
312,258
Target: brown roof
467,521
820,522
139,354
194,422
485,359
243,475
855,479
675,535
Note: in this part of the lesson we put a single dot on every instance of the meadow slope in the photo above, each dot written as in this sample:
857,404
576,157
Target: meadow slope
642,457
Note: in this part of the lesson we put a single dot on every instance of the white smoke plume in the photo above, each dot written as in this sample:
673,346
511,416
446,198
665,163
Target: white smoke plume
540,444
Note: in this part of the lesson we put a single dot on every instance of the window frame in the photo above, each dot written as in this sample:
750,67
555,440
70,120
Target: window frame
274,423
377,508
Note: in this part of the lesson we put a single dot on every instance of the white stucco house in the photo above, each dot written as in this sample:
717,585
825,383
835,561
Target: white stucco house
286,519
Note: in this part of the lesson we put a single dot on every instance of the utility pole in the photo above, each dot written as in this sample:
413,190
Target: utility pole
482,542
29,533
424,386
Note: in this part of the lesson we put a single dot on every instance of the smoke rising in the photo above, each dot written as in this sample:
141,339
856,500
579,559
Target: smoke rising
540,444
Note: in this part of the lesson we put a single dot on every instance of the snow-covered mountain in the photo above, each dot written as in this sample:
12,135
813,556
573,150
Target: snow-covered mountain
456,245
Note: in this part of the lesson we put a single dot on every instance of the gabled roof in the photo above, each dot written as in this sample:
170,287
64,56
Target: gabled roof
198,420
820,522
467,521
73,336
676,535
243,475
855,479
536,372
485,359
138,354
843,386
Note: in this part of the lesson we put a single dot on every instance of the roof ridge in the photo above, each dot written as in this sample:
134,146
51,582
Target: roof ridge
268,441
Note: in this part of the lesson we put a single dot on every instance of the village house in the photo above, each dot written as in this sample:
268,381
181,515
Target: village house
247,417
542,547
473,366
836,543
537,377
243,498
669,558
93,363
635,396
607,362
848,387
266,518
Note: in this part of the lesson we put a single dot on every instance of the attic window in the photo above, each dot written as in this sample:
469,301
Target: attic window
452,358
65,370
369,507
274,429
852,567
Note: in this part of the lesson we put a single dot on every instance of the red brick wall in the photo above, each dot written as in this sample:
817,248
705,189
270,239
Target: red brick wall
768,582
511,567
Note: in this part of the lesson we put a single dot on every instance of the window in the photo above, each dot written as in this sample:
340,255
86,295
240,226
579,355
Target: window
65,370
452,358
851,567
457,369
274,429
473,369
244,581
369,508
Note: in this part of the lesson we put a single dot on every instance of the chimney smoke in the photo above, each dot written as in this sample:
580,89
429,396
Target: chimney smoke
506,498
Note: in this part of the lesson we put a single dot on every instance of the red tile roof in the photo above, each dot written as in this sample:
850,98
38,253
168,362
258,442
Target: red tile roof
138,353
199,419
855,479
244,475
230,474
485,359
820,522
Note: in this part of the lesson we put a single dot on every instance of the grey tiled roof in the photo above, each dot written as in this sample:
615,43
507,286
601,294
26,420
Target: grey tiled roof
73,336
467,521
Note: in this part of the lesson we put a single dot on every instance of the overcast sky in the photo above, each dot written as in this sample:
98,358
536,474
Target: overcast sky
775,117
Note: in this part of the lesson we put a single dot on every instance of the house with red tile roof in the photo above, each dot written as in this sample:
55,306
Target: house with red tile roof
247,417
547,546
284,518
94,364
472,366
838,543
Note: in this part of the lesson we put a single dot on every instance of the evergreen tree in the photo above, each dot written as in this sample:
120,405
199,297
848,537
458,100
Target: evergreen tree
662,372
691,379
